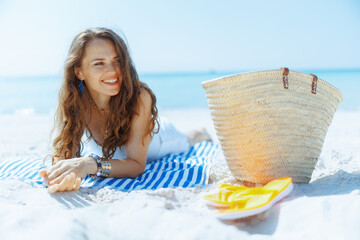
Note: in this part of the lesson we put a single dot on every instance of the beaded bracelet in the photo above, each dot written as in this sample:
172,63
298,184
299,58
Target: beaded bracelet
103,166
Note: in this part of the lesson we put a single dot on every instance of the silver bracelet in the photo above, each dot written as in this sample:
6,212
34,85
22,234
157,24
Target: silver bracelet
103,166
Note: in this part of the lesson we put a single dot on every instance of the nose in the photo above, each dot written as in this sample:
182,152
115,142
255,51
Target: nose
111,68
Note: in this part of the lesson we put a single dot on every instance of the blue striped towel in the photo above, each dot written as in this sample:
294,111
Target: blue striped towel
187,169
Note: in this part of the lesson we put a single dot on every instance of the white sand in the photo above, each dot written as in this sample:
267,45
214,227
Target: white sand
327,208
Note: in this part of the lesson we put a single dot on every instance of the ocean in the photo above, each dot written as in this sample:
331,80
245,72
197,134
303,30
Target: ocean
38,94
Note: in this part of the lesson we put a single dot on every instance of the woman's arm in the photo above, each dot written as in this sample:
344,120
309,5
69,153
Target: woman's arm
137,145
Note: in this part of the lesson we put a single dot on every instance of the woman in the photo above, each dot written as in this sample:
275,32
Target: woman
106,118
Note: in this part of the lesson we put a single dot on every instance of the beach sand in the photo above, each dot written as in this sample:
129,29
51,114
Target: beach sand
327,208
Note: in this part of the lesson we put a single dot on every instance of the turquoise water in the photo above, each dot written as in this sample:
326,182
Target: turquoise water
176,90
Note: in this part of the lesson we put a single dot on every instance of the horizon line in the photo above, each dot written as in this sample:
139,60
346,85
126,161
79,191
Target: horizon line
210,71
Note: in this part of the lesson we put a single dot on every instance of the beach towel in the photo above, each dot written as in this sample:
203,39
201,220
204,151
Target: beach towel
186,169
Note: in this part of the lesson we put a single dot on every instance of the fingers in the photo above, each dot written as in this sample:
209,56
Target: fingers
46,180
56,170
64,183
42,173
55,174
77,184
69,183
60,177
53,188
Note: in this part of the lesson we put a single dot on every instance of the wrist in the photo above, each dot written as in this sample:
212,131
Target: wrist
91,164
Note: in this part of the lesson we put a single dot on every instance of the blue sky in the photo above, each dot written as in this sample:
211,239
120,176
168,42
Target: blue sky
187,35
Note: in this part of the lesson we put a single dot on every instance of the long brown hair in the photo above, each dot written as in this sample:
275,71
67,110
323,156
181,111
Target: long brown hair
70,120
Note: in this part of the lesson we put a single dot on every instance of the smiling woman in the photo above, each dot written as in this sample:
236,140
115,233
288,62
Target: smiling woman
100,69
107,119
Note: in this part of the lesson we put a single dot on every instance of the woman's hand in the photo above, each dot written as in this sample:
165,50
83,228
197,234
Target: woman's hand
69,183
66,175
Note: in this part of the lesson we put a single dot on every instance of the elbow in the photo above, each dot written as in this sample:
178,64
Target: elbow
138,171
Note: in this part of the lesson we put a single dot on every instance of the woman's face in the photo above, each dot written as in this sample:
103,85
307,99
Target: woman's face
100,69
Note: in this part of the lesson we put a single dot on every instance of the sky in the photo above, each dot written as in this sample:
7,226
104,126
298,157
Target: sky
187,35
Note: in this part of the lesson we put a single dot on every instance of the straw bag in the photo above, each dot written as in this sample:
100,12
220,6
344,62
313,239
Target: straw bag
271,124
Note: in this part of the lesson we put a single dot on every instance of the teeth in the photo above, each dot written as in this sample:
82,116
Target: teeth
110,81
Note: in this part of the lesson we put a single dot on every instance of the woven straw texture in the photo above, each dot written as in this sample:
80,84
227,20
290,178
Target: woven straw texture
267,131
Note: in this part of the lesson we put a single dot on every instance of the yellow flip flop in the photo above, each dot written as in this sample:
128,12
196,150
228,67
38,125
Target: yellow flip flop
221,198
245,202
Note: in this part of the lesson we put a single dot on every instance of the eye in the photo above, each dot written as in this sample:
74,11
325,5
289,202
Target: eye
99,64
117,61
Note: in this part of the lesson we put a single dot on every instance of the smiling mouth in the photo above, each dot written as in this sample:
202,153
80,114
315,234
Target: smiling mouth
111,81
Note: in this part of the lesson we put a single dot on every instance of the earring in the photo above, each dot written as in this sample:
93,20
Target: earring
81,87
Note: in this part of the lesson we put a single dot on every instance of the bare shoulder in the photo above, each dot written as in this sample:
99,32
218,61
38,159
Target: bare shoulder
144,109
145,100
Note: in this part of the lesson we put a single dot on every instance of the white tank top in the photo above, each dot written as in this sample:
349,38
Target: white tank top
168,140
